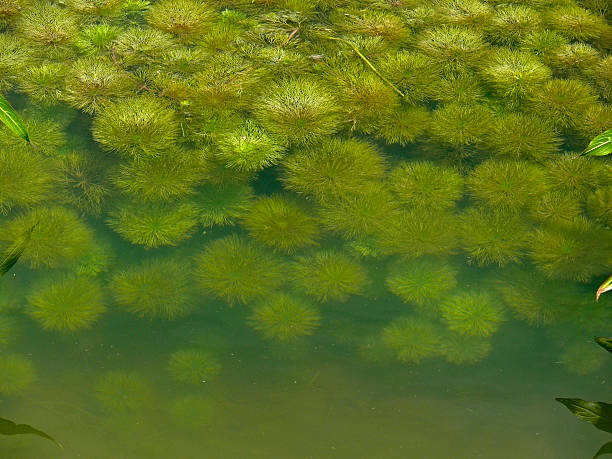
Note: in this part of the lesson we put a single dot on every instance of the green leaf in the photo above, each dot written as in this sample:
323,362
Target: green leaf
8,427
606,343
11,119
8,260
597,413
603,288
600,145
605,449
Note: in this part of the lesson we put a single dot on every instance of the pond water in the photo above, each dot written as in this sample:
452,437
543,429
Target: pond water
306,229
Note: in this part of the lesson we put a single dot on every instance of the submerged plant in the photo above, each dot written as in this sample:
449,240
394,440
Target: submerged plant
575,175
575,23
403,125
472,313
506,185
58,237
223,204
237,271
582,357
18,374
121,392
336,167
459,125
329,276
599,205
158,288
421,281
173,175
137,127
462,350
426,185
193,366
248,148
412,339
281,223
576,250
72,303
187,19
512,22
298,111
284,318
138,47
154,224
493,237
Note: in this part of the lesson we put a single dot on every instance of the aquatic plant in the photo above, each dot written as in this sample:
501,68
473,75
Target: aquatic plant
576,250
573,59
329,275
281,223
25,179
421,281
98,260
575,175
506,185
574,22
582,358
462,350
283,317
248,148
94,81
412,339
459,125
187,19
193,366
412,72
333,168
361,214
173,175
96,9
192,412
237,271
223,204
542,43
555,206
9,329
415,233
426,185
518,136
514,75
44,83
562,102
10,10
48,137
140,47
136,127
18,374
58,236
462,89
472,313
297,111
473,13
157,288
154,224
601,75
97,39
14,59
48,29
120,392
69,304
403,125
455,49
599,205
366,21
493,236
511,23
83,182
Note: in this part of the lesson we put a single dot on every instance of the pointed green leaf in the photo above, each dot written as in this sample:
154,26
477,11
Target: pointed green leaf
12,120
605,449
600,145
606,343
603,288
8,427
597,413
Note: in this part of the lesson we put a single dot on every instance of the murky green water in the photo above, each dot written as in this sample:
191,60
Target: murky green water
301,229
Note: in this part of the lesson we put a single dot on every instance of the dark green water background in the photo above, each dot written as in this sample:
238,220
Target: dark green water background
341,390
